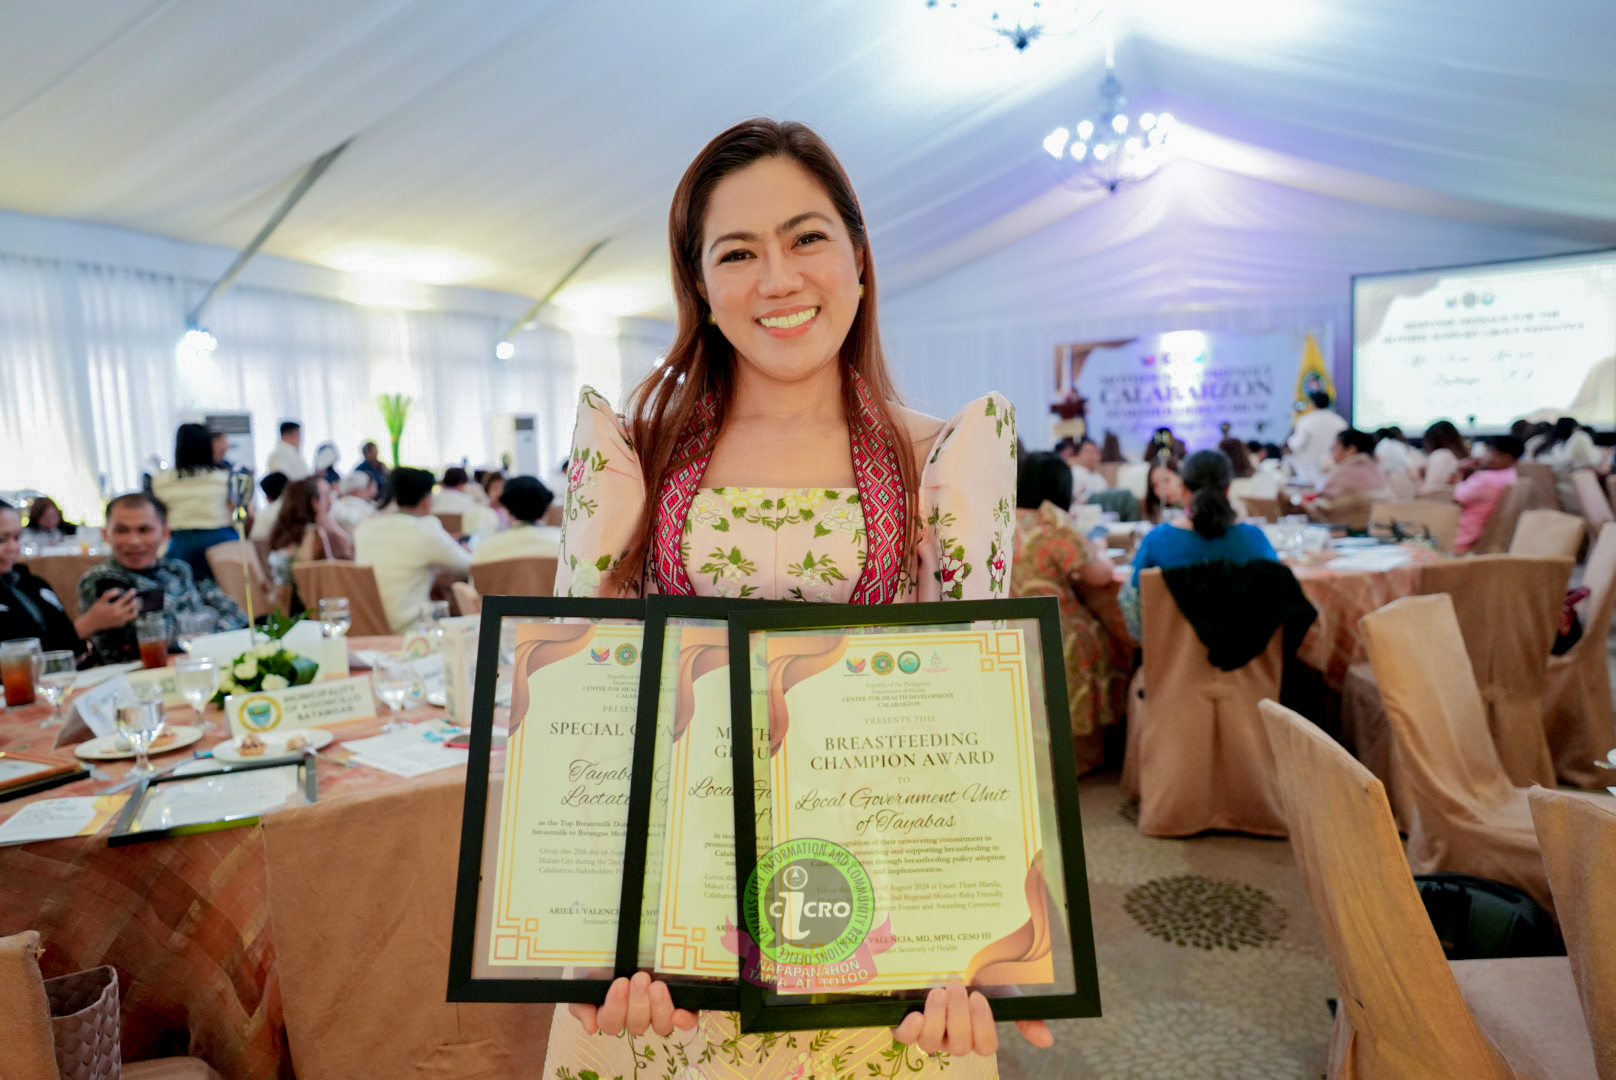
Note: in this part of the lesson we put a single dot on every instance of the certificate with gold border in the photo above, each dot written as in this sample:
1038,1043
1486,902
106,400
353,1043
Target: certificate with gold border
545,844
921,821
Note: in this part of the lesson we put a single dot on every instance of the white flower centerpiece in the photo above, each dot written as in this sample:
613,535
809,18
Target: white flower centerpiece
268,665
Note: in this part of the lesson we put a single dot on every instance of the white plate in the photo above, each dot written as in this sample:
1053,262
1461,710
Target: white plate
274,747
106,748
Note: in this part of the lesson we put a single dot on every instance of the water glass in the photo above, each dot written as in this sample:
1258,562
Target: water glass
398,686
335,618
17,669
197,679
192,625
140,720
151,631
54,673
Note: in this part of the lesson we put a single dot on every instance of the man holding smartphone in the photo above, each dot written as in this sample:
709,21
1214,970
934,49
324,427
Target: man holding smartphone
137,528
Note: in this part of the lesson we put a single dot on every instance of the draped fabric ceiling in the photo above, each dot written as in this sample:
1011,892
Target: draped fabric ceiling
495,140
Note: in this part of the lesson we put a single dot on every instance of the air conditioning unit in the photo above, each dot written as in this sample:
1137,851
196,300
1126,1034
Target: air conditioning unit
237,425
516,439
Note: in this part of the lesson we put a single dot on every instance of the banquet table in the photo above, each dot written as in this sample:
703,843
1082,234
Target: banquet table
185,921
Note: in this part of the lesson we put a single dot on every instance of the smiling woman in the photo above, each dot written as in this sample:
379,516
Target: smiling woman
769,457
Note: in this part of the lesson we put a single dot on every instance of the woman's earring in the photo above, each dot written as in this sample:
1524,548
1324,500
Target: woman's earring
861,290
712,319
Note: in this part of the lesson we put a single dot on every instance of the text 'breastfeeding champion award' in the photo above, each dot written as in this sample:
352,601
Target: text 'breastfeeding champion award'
919,813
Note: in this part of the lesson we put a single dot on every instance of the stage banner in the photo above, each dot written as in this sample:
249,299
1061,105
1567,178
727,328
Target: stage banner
1195,382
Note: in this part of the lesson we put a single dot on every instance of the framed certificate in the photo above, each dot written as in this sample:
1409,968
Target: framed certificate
230,798
545,843
28,774
919,816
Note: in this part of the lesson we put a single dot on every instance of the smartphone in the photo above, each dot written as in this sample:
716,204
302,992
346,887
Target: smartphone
150,599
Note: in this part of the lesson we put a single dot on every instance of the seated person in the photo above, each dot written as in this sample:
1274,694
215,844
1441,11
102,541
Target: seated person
1083,457
30,609
356,500
1354,484
45,526
264,523
1165,495
1486,478
526,499
1052,559
457,495
1208,530
137,528
1247,480
303,533
1444,449
406,547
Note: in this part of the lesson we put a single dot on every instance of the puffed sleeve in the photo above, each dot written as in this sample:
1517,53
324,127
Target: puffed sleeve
605,500
967,506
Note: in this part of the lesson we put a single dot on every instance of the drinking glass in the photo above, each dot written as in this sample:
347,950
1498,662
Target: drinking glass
140,720
151,630
197,678
17,669
192,625
398,686
53,677
335,618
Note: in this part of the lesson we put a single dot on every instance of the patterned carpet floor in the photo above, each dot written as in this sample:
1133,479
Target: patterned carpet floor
1212,966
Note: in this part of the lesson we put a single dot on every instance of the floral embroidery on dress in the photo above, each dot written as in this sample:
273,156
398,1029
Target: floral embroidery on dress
581,479
754,506
816,573
842,516
727,569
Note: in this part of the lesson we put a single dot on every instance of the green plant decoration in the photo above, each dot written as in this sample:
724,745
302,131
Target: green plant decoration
395,411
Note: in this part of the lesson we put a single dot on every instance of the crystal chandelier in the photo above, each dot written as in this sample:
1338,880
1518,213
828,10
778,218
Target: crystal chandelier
1022,22
1112,149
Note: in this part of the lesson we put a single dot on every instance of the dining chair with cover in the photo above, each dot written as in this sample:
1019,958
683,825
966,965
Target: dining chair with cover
1196,758
1579,719
240,573
528,576
1259,507
1406,1012
1591,499
1440,519
467,601
30,1036
62,573
361,954
329,577
1403,484
1548,532
1500,528
453,524
1469,818
1578,838
1544,494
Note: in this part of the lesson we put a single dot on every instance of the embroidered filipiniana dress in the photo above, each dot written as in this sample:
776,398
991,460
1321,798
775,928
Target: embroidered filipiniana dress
822,545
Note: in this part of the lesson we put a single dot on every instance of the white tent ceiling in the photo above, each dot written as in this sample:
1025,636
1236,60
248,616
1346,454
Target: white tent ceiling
495,140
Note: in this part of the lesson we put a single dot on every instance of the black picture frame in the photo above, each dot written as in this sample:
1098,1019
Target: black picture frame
55,773
881,1011
463,985
122,831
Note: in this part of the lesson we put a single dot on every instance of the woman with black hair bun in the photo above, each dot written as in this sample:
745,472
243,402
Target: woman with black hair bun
1208,530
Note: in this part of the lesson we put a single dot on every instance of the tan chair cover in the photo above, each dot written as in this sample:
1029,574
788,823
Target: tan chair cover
1400,1013
1470,818
1591,498
1109,470
1500,528
467,601
1196,751
27,1048
515,577
1579,720
1578,838
1509,611
1267,509
1403,484
327,577
1544,495
1442,519
1548,532
452,523
62,573
556,515
361,898
236,580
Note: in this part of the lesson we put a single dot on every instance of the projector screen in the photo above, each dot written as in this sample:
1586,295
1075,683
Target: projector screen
1486,345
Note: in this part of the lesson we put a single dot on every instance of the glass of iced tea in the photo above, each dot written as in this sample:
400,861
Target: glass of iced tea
151,630
17,669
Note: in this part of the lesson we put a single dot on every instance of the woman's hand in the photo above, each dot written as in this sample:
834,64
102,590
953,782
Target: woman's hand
110,610
959,1024
634,1005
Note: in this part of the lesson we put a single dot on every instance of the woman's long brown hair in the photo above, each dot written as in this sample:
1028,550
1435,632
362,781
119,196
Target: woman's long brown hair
703,360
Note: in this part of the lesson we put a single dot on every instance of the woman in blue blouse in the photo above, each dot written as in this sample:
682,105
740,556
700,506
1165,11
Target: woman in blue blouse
1207,531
